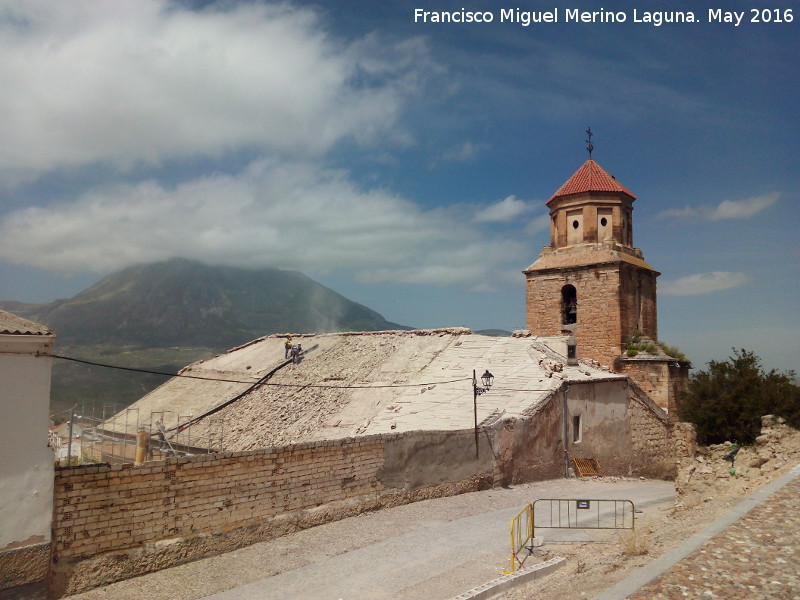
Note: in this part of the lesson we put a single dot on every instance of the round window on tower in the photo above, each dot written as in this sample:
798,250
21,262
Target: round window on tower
575,224
603,221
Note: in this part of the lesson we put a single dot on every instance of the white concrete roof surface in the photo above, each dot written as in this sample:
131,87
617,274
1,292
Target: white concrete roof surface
362,384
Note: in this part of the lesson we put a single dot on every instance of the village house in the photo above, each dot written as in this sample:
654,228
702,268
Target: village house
26,471
66,441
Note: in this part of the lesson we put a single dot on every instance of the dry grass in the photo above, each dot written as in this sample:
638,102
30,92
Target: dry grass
635,542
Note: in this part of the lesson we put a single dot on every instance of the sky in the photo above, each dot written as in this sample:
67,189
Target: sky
405,163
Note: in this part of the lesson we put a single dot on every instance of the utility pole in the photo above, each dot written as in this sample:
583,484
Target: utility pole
475,408
69,444
566,431
487,379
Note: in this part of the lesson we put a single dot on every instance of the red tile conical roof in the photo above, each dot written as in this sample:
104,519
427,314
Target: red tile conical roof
591,177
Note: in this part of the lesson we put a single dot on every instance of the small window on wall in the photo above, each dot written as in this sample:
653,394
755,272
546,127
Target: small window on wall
576,428
574,227
604,229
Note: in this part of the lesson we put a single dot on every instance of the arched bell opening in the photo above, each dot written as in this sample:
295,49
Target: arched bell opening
569,305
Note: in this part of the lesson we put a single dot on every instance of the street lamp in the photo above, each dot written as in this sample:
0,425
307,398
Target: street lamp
487,379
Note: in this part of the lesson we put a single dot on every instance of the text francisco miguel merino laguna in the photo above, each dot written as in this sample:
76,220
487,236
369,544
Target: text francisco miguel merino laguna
569,15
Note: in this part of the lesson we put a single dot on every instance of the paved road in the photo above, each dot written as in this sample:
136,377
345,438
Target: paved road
435,549
414,563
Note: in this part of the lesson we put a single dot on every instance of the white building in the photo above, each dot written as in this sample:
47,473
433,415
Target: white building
26,468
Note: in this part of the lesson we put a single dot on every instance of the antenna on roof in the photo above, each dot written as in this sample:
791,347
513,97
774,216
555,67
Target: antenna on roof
589,145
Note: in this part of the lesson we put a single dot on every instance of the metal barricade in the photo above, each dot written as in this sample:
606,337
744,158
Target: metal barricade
574,513
521,535
571,513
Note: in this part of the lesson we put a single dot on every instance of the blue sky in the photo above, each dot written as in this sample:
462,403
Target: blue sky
405,164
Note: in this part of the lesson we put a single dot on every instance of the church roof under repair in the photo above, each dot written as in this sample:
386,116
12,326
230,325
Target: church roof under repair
353,384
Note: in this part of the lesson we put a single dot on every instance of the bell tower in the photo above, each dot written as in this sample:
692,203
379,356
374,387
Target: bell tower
590,282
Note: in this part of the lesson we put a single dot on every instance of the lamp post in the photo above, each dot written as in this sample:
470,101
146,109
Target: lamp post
486,379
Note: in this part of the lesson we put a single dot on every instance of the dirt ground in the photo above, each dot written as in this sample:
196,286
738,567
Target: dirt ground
705,489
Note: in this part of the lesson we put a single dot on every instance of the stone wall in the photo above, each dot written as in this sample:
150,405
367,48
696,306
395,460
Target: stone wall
684,436
625,431
113,522
678,385
25,564
615,301
530,449
638,302
619,427
662,380
652,375
654,449
597,330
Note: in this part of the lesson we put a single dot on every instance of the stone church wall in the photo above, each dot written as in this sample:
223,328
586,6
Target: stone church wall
662,380
598,295
652,376
618,426
638,303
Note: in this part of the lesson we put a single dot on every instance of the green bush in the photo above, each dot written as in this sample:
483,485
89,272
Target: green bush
636,345
673,352
726,402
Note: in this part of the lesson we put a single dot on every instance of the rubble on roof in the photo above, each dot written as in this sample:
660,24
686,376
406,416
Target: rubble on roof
362,383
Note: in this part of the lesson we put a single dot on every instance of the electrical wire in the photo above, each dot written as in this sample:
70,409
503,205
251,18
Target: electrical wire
292,385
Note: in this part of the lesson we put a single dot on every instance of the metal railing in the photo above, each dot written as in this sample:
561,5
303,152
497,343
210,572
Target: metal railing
575,513
565,513
114,439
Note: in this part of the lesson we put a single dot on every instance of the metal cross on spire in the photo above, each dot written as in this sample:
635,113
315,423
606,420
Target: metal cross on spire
589,145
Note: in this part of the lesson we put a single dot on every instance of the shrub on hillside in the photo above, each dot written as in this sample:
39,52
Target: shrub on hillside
727,401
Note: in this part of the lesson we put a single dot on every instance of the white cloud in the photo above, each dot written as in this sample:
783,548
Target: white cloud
294,216
742,209
504,211
727,209
128,82
539,224
464,152
703,283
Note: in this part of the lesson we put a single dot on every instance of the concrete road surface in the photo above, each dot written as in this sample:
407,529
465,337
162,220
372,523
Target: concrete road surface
435,549
410,563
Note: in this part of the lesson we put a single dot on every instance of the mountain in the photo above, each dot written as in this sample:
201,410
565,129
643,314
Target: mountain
182,302
162,316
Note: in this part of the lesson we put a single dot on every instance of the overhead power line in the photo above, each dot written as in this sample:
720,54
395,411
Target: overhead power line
251,382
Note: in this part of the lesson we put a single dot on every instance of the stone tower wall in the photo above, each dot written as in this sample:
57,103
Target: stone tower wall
638,310
614,302
597,330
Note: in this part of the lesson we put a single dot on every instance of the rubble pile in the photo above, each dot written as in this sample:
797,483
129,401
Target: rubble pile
709,475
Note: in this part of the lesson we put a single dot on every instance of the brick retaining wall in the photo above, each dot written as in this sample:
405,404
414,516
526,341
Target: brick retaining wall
112,522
